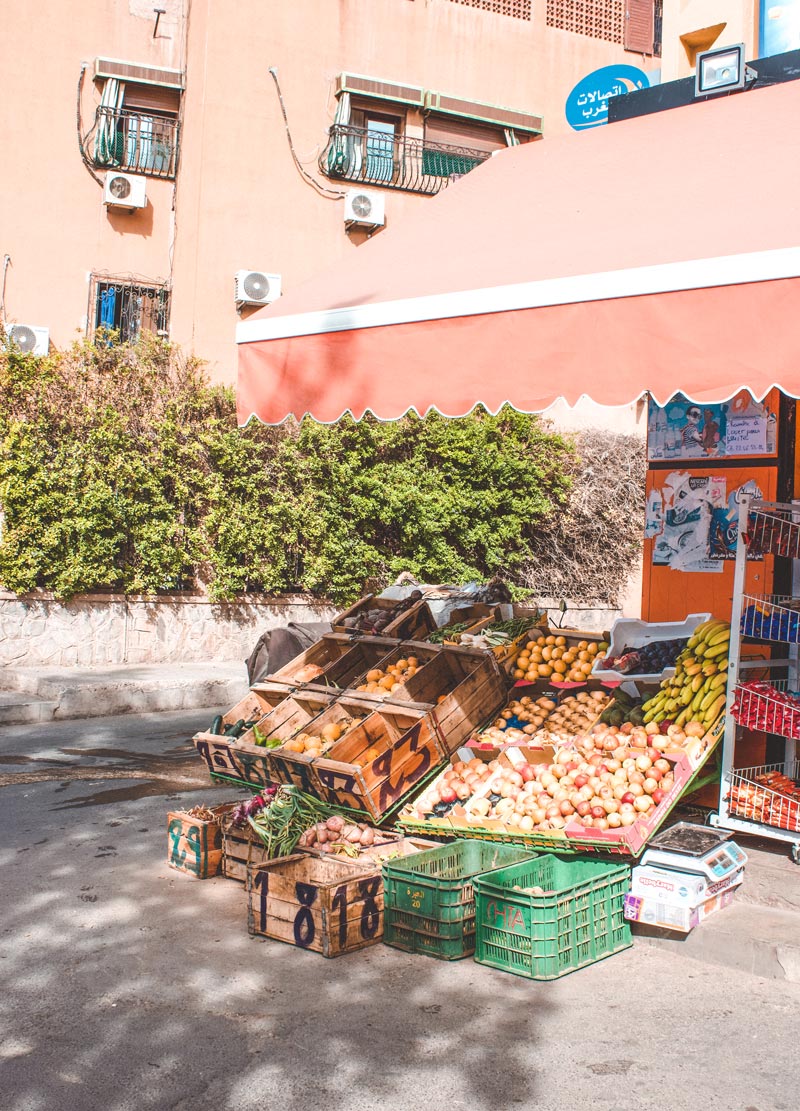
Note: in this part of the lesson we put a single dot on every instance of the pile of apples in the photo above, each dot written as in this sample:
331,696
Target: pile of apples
457,784
607,790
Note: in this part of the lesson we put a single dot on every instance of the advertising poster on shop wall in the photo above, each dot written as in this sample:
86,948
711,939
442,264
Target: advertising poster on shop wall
693,520
688,430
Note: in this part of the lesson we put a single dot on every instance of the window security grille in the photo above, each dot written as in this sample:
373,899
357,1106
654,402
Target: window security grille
598,19
517,9
129,308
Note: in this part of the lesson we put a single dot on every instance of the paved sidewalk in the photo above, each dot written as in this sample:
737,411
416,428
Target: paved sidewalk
40,694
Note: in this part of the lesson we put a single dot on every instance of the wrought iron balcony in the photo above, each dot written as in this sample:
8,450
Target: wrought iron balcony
395,161
138,142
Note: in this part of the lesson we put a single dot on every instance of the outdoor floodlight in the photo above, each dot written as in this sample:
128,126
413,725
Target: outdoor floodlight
722,71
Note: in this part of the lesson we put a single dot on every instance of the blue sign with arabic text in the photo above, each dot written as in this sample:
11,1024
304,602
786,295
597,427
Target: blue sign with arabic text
587,104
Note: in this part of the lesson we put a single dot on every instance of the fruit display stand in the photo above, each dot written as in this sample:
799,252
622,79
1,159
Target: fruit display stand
429,899
327,906
406,622
574,838
763,799
545,917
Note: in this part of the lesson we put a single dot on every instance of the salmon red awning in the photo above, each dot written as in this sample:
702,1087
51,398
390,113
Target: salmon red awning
661,254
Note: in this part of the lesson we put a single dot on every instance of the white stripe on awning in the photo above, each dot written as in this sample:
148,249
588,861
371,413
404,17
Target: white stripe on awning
669,277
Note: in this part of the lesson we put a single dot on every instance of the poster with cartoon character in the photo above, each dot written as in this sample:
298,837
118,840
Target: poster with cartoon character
684,429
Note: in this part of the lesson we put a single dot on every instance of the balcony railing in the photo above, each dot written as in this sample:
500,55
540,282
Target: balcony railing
395,161
134,141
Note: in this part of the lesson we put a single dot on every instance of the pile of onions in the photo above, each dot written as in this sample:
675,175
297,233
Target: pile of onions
676,738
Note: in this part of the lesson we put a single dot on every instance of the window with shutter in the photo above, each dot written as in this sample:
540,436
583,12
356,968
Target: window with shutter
639,26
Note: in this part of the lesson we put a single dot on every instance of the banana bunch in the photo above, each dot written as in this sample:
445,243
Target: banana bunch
696,692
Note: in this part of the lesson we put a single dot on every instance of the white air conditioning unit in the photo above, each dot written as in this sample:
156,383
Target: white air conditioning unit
363,207
124,191
254,287
29,338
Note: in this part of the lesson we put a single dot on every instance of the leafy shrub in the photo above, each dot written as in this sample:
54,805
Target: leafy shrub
122,468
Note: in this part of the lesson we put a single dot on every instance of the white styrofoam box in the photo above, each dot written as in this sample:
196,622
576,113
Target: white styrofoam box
630,632
686,889
674,916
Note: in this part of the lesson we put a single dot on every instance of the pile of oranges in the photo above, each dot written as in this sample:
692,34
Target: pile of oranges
382,682
551,657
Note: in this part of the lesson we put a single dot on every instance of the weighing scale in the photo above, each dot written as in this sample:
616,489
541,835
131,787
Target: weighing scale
699,850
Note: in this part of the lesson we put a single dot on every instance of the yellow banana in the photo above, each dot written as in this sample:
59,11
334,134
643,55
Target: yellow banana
718,636
717,650
714,710
708,699
718,681
710,668
697,683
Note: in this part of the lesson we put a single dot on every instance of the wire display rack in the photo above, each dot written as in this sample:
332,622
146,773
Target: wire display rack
771,617
769,795
767,707
772,529
762,691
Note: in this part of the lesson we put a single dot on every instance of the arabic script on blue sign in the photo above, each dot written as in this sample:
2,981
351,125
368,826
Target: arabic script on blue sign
587,104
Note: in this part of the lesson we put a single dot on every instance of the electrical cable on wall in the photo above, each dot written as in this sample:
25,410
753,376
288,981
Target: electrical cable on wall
84,158
329,194
6,264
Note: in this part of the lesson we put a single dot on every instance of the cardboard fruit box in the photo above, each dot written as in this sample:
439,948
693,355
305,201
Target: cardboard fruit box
379,761
326,906
414,622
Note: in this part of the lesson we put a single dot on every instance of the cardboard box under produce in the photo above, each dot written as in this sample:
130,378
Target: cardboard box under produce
667,914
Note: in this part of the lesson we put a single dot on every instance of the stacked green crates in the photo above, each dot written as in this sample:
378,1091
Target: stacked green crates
575,917
429,901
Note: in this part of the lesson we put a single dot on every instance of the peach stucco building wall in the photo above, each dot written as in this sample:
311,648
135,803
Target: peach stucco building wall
238,200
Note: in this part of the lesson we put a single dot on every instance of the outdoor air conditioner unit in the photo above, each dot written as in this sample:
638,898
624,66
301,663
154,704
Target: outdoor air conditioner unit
253,287
29,338
124,191
364,208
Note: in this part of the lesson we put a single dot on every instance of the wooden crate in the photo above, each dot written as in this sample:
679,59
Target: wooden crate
233,760
379,761
327,651
413,623
348,671
464,686
241,848
295,767
194,846
317,903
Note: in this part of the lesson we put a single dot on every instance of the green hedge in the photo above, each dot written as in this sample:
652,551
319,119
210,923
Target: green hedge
121,467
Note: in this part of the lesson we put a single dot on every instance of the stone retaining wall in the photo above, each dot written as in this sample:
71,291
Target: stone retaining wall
102,630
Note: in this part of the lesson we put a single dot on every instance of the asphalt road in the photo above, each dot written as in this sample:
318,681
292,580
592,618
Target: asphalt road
127,986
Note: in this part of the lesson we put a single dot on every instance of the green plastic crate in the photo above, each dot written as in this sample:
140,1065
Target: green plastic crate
578,920
429,899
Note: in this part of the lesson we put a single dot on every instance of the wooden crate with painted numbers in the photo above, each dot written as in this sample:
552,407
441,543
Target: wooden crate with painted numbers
236,758
379,761
194,845
290,763
326,906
